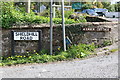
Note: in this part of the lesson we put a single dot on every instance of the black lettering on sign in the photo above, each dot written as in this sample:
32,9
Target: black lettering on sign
26,36
21,38
17,34
32,34
95,29
31,38
35,34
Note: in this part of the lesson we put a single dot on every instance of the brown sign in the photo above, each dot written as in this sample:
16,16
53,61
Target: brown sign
93,29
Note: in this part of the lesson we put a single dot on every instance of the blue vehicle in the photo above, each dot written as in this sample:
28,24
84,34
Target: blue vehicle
90,12
95,11
100,11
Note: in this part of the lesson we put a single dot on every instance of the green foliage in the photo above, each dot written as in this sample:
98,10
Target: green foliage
70,21
59,57
75,51
87,6
68,13
10,17
45,13
98,4
106,43
67,21
113,50
108,6
78,17
6,14
81,50
44,51
66,54
58,14
45,58
82,18
117,7
111,8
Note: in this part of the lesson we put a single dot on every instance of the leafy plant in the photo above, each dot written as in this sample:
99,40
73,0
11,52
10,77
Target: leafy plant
68,13
113,50
75,51
10,17
44,51
106,43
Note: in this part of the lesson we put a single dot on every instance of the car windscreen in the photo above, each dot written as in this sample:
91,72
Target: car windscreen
89,11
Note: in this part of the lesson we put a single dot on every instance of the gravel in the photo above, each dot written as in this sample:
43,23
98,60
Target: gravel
103,66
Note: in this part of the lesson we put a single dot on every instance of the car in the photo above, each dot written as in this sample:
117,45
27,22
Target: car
95,11
112,14
90,12
100,11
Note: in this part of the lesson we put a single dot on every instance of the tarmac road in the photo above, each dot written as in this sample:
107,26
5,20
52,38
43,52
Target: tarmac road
114,19
103,66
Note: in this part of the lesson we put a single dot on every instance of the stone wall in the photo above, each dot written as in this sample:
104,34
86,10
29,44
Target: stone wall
73,31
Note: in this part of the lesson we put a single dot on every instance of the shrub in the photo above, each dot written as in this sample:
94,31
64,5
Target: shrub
104,43
7,17
45,58
46,13
66,54
78,17
44,51
82,19
10,16
75,51
113,50
68,13
67,21
70,21
59,57
58,14
81,50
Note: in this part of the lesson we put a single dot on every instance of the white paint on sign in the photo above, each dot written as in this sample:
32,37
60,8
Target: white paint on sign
26,35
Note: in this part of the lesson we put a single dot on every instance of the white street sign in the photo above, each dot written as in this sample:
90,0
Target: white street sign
26,35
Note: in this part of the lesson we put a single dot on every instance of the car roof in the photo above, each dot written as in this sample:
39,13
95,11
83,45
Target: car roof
99,9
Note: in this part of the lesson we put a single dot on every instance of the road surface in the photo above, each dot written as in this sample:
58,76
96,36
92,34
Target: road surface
102,66
113,19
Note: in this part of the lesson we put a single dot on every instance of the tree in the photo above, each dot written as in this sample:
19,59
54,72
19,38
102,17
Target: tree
87,6
106,4
98,4
117,7
111,8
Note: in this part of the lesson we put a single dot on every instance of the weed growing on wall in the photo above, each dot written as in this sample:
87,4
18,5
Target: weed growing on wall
106,43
